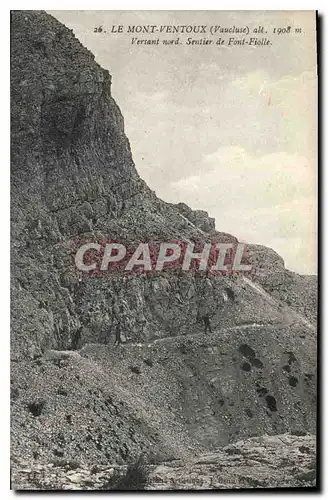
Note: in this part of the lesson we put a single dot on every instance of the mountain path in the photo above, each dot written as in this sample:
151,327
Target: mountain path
278,303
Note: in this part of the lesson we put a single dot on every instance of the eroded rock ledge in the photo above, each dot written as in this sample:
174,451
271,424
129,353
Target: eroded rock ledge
260,462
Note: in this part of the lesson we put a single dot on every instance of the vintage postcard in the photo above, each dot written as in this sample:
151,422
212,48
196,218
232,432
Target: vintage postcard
163,250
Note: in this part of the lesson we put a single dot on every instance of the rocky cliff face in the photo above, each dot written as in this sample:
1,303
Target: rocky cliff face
170,389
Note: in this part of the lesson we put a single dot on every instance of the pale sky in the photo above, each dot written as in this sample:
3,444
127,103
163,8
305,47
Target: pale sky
230,130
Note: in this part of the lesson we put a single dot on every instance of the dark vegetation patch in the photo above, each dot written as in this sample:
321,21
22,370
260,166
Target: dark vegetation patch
61,363
62,392
257,363
262,391
230,294
148,362
183,349
248,412
135,478
305,449
271,402
286,368
291,357
135,369
58,453
293,381
247,351
246,367
232,451
36,408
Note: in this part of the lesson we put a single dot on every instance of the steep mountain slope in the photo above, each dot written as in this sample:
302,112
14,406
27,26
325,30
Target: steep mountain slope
170,389
172,397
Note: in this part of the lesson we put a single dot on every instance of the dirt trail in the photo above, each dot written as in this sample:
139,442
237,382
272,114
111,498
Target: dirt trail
197,335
